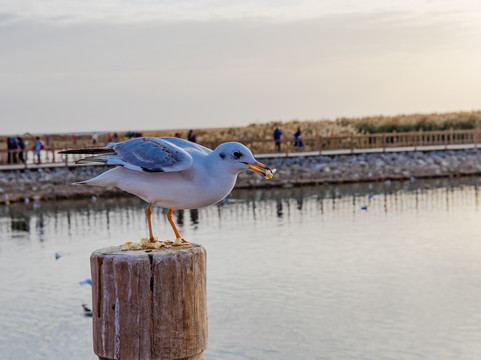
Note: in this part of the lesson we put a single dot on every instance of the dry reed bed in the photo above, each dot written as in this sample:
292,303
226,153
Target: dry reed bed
309,128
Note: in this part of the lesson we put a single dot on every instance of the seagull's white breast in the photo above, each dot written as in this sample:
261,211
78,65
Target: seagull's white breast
187,189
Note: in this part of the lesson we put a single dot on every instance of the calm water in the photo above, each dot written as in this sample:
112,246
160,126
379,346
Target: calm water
292,274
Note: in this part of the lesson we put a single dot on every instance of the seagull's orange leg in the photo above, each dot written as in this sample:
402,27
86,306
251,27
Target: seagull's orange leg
169,217
148,212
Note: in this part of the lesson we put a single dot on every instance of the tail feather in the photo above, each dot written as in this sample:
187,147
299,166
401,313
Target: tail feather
99,155
93,159
91,151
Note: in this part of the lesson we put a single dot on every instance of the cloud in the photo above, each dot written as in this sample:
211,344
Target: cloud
122,11
7,19
166,74
229,45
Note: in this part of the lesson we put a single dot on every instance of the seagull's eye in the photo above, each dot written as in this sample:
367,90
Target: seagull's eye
237,154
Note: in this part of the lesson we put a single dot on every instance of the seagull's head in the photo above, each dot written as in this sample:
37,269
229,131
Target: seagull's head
237,157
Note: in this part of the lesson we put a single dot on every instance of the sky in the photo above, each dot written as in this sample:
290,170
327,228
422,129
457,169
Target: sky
114,65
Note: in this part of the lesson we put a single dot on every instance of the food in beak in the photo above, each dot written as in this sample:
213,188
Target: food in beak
261,169
270,173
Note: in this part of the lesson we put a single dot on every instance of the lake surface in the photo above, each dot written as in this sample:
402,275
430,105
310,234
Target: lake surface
300,273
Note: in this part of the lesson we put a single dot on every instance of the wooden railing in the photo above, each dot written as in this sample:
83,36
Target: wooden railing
365,141
259,146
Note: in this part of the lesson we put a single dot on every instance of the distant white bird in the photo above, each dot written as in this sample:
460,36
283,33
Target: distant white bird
171,172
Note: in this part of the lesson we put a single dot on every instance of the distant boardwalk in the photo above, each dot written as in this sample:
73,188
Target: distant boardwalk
313,146
71,162
54,181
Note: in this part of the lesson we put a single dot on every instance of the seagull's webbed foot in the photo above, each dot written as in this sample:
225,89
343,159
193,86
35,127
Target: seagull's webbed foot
178,242
182,242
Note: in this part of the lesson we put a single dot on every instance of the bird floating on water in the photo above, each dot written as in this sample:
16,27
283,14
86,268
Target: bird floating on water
172,173
87,311
86,282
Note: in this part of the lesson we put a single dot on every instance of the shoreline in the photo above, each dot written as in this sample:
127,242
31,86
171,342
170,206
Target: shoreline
57,183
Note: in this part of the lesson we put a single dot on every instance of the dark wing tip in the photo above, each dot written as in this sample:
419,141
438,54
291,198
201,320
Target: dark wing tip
152,170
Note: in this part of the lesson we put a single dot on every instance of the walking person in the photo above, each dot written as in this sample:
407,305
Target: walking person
298,144
12,148
9,155
21,149
191,136
277,139
37,147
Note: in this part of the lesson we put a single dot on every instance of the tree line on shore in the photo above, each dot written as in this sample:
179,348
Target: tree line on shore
350,126
414,122
310,128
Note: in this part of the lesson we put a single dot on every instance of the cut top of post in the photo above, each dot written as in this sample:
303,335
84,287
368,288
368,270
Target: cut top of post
149,304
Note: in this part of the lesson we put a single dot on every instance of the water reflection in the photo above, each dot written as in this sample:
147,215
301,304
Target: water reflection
194,216
279,207
20,224
420,195
346,271
180,217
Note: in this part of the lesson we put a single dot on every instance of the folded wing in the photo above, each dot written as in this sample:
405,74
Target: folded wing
141,154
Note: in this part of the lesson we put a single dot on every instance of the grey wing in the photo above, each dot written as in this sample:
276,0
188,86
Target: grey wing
190,147
150,154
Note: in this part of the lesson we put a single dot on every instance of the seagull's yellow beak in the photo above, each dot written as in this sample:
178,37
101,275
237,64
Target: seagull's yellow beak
260,168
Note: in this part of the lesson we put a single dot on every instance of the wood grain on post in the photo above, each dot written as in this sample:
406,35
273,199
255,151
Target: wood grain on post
149,304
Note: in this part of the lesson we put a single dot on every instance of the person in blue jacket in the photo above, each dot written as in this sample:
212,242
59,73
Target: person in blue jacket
277,138
298,144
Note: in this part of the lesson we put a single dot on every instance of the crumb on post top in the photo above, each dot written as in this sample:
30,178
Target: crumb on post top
144,244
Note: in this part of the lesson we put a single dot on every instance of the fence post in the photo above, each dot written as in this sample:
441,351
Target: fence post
149,304
317,144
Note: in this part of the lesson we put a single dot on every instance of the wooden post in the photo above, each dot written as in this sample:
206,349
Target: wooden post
149,304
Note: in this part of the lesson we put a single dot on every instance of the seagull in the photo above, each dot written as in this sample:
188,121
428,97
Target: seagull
170,172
